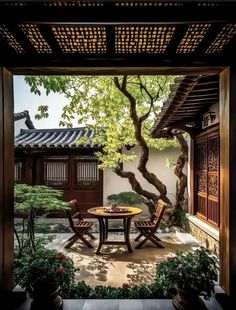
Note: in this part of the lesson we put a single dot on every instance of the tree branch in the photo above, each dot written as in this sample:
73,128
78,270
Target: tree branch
144,156
135,184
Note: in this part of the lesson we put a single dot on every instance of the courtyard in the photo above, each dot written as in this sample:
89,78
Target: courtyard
115,266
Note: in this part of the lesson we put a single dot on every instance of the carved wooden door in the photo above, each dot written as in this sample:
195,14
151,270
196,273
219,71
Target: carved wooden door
207,178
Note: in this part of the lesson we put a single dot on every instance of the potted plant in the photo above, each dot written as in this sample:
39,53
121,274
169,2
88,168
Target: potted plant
45,273
191,275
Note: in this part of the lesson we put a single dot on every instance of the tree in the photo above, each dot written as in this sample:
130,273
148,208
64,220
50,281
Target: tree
29,201
122,110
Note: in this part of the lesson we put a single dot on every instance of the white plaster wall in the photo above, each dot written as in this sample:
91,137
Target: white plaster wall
188,192
18,125
114,184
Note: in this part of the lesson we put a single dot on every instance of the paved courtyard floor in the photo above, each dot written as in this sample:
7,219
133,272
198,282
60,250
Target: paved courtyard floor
115,265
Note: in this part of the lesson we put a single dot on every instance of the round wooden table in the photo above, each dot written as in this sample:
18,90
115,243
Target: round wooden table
103,214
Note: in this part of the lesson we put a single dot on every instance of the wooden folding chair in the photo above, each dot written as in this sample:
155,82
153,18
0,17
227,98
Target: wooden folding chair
148,228
79,226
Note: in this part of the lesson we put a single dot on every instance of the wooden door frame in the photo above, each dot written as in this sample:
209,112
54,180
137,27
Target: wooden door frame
227,180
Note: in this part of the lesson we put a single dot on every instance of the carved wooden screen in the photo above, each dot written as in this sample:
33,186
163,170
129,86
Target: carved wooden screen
207,178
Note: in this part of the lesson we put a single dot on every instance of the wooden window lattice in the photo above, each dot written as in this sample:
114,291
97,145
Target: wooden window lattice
87,172
55,173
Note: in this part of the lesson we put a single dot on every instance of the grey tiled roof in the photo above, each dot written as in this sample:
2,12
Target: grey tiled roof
55,138
22,115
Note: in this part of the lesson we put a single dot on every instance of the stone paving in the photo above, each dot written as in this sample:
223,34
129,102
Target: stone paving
115,265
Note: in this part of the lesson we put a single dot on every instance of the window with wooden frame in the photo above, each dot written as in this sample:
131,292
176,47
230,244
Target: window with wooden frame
55,170
207,177
87,171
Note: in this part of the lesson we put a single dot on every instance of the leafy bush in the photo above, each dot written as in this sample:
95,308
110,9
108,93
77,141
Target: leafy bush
29,200
45,267
129,198
82,290
194,271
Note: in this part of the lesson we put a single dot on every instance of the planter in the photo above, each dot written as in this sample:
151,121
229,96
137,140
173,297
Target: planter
45,298
185,300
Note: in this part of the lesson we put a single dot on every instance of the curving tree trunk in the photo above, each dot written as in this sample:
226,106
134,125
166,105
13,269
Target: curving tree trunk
137,122
152,198
181,183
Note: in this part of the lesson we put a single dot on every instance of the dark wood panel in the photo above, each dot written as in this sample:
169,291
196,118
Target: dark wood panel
1,180
6,181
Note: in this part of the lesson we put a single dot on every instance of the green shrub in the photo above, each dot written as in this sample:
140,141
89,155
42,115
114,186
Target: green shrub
45,267
193,271
129,198
82,290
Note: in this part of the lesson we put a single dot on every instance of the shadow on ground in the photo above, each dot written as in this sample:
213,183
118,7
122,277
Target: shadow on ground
115,265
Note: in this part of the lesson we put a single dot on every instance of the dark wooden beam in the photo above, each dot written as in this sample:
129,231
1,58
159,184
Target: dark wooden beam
187,13
211,64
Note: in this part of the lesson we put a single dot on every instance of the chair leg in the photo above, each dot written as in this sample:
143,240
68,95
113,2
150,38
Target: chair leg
156,243
72,241
72,237
75,238
138,237
154,239
90,235
142,242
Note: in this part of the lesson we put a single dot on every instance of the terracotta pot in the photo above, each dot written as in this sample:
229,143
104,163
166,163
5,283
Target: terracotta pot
185,300
46,298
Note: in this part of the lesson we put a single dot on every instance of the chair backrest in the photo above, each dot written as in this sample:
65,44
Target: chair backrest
158,213
73,212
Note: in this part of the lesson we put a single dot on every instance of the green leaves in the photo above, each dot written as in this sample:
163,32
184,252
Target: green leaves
194,271
38,197
96,101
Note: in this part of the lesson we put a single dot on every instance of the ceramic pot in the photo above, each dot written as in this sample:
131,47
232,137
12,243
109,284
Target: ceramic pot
188,300
46,298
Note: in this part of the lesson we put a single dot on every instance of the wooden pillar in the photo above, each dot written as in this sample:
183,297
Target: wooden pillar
6,180
228,180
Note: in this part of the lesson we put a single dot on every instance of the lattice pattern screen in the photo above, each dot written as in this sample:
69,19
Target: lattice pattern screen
35,37
81,39
55,173
223,38
143,39
73,4
87,173
193,36
5,34
207,178
148,4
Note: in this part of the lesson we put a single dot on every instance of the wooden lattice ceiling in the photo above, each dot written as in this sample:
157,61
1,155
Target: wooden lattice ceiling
117,33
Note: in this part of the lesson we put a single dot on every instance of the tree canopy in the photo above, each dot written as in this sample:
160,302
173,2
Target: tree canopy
110,105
